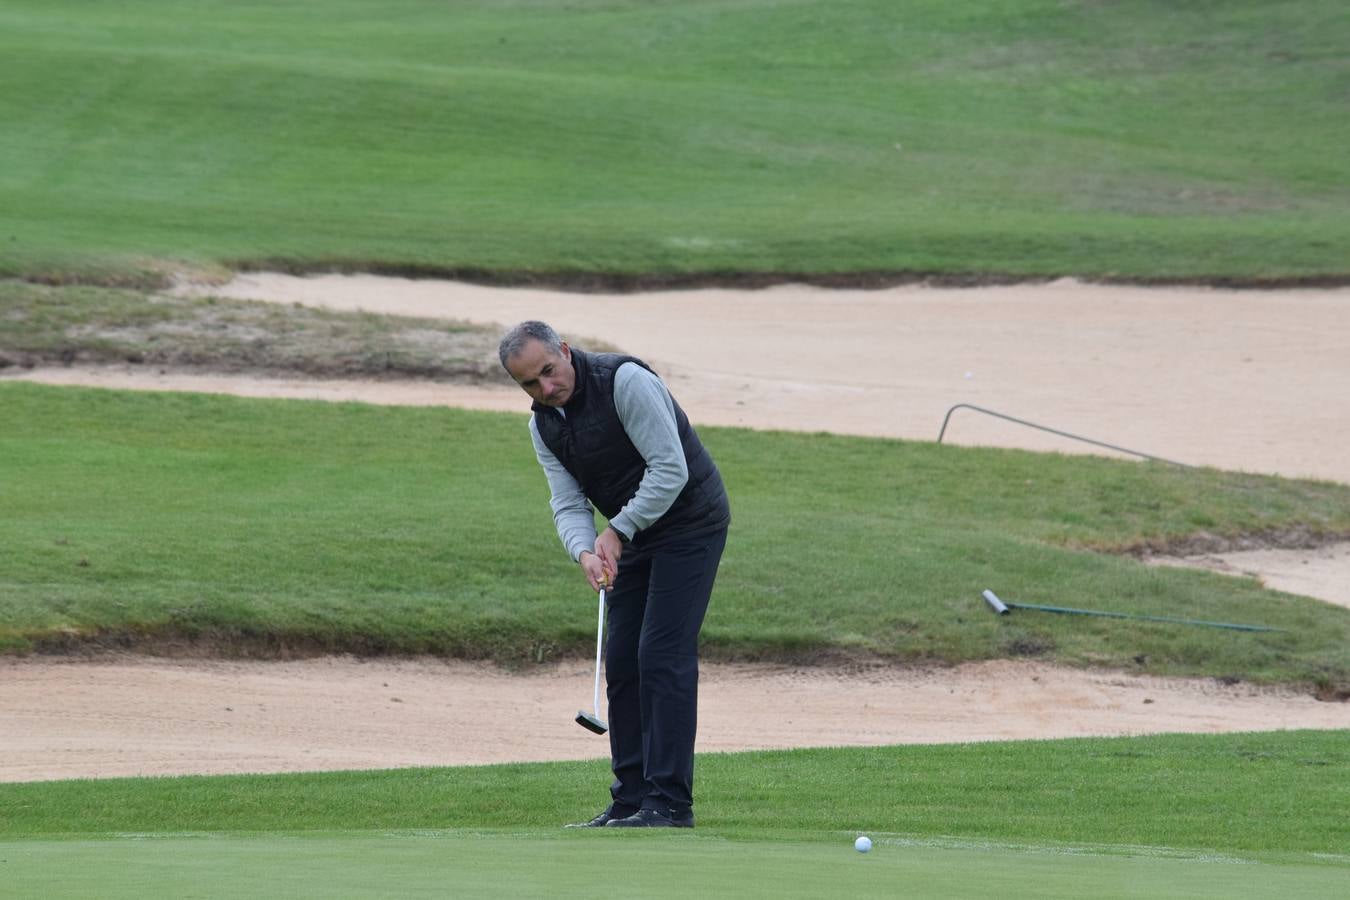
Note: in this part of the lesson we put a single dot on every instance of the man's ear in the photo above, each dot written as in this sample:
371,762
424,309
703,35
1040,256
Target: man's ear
566,352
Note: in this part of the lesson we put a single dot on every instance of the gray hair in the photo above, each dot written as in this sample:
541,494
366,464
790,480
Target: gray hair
515,340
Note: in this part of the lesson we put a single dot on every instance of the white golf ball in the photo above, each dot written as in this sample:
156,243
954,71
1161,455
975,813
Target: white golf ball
863,844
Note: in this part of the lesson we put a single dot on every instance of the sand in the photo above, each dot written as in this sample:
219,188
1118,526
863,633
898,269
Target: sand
74,718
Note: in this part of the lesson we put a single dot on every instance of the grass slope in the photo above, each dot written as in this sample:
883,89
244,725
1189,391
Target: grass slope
1147,139
285,526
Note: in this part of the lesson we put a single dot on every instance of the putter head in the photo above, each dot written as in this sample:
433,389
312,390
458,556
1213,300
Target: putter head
591,723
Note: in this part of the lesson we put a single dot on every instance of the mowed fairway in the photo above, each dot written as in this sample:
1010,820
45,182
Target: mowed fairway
545,864
1258,815
1145,140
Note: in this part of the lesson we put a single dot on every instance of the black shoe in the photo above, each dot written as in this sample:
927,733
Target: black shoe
652,818
604,818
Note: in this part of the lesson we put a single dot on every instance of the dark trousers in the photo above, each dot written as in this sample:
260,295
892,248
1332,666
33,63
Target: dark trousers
656,609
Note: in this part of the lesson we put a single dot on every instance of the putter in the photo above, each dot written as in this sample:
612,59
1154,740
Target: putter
585,719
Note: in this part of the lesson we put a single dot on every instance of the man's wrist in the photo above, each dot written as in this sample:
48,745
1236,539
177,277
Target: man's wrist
623,538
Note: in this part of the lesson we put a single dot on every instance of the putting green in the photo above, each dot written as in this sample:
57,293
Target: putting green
538,864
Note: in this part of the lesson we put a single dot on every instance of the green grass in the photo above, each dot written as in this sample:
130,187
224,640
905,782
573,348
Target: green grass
1174,815
1144,140
547,865
1282,791
263,526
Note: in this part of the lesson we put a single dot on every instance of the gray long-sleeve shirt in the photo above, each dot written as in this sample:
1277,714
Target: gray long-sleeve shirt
648,416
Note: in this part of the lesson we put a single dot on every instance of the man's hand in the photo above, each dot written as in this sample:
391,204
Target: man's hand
595,570
609,548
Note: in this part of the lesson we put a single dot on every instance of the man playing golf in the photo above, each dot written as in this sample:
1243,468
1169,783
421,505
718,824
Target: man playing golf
608,433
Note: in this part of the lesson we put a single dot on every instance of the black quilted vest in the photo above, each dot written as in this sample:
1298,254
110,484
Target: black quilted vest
591,444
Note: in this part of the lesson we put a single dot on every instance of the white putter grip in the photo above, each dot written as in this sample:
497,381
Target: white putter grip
599,641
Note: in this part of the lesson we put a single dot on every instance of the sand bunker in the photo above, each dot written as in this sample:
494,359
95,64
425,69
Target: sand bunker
1244,380
83,719
1321,572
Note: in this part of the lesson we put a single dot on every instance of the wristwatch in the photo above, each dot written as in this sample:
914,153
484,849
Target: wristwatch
623,538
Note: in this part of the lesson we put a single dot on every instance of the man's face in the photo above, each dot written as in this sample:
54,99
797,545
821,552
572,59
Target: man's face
547,377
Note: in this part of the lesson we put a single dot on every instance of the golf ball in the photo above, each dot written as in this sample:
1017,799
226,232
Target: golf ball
863,844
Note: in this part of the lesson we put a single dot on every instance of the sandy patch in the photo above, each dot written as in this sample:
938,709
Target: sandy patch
136,716
1321,572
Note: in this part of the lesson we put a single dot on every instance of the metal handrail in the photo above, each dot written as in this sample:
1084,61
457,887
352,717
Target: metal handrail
990,412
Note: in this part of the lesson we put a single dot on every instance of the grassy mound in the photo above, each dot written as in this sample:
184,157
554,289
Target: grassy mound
225,525
47,325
